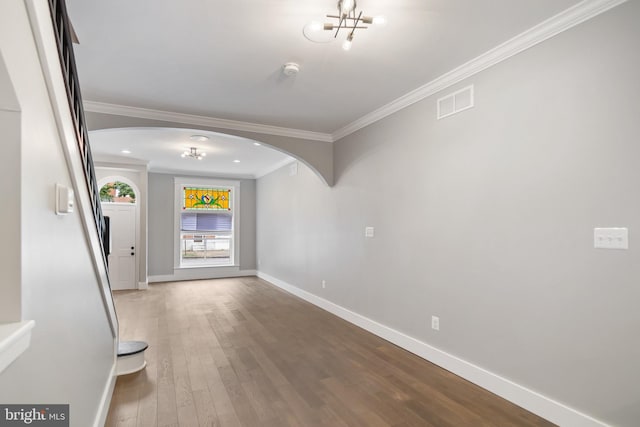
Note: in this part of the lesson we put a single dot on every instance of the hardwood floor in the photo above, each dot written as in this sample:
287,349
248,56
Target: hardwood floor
241,352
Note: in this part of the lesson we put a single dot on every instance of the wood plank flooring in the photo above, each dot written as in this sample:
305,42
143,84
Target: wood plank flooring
241,352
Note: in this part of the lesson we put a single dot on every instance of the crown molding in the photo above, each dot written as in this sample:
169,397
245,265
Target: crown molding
553,26
563,21
145,113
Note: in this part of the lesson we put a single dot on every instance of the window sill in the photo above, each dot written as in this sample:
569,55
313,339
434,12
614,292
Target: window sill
14,340
196,267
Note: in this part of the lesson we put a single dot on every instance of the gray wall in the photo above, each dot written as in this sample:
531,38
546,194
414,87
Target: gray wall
10,123
161,223
486,220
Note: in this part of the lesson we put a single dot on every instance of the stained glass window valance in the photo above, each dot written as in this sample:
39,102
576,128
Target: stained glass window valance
206,198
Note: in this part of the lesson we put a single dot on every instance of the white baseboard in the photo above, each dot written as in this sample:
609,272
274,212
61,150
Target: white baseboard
201,273
105,401
530,400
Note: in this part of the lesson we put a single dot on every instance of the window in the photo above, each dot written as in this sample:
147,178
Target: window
206,224
117,192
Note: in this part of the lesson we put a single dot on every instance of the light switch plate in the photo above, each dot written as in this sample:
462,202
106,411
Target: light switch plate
611,238
368,232
435,323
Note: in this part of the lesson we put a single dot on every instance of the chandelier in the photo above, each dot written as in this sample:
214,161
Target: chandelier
350,20
193,153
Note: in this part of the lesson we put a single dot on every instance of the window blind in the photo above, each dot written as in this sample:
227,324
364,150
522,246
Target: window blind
205,221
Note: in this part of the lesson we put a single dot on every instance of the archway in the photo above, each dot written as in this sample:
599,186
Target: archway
316,154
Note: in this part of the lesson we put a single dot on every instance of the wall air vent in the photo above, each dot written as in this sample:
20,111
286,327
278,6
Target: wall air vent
455,102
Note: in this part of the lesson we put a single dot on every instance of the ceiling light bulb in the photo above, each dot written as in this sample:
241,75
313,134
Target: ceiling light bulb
347,44
380,20
236,161
315,26
257,144
183,155
203,154
125,152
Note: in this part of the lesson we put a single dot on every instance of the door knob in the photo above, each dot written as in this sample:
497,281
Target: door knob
132,253
132,248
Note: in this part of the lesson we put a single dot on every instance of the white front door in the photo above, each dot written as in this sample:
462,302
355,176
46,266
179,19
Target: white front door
122,260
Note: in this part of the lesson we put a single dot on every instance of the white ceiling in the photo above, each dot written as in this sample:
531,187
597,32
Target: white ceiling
161,148
223,59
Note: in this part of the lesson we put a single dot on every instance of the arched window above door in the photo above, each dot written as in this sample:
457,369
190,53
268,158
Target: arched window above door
117,192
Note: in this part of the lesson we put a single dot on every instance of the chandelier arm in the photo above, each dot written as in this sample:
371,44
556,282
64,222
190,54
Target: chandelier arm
346,17
355,24
339,27
358,28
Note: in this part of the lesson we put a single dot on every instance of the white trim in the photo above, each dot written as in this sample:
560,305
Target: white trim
201,273
15,338
167,116
143,286
553,26
528,399
137,212
234,203
105,401
212,175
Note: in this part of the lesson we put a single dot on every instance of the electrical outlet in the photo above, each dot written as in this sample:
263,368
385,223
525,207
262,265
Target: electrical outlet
611,238
369,232
435,323
324,284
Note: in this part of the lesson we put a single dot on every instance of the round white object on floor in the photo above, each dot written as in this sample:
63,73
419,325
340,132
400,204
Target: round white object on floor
131,357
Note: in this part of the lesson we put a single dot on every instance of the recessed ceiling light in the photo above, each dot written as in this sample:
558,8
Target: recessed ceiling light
257,144
199,138
236,161
125,152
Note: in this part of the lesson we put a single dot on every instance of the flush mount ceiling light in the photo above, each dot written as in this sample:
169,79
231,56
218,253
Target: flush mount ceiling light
350,20
199,138
193,153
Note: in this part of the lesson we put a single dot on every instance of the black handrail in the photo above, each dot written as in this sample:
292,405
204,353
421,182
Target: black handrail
62,30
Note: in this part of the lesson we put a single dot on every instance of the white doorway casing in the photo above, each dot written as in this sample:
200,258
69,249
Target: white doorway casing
136,177
122,259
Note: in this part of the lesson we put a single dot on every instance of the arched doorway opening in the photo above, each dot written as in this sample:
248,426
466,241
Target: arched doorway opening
118,197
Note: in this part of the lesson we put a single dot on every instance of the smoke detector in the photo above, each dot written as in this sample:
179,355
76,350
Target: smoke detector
290,69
